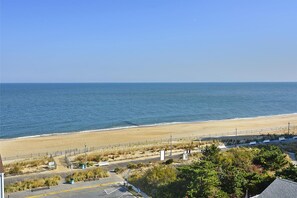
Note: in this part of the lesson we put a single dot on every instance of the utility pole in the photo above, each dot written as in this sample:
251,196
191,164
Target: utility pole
85,155
236,137
288,128
170,145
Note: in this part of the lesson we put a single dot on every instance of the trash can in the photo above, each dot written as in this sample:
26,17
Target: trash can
71,181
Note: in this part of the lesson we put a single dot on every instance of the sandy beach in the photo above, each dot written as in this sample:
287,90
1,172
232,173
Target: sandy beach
22,146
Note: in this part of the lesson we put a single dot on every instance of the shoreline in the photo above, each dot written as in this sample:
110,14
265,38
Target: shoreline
59,142
141,126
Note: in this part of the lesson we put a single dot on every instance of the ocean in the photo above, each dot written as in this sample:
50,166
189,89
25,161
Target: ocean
37,109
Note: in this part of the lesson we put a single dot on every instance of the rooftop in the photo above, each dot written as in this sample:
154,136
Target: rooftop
280,188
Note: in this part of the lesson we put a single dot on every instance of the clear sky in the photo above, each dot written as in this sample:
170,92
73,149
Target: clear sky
148,40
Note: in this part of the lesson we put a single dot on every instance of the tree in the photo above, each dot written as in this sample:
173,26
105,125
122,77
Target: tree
218,174
238,157
271,158
233,181
211,153
257,182
201,180
288,173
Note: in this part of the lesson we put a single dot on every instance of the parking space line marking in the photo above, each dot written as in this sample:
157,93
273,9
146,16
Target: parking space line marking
111,191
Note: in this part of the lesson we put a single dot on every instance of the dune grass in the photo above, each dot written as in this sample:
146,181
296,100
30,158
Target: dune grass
34,183
89,174
18,167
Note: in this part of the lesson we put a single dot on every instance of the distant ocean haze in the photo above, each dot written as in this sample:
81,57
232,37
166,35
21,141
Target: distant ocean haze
36,109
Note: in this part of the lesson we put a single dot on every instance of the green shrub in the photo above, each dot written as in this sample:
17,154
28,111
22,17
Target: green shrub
90,164
288,173
136,166
131,166
83,175
35,183
271,158
16,169
129,188
169,161
154,178
119,170
217,174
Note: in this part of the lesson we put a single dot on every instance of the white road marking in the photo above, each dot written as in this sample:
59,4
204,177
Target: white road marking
112,191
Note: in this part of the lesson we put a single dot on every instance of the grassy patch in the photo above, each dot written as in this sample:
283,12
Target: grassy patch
19,167
34,183
84,175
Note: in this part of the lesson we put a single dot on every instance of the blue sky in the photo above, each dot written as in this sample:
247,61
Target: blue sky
148,41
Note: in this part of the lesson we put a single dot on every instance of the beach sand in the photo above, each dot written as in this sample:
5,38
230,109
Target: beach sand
50,144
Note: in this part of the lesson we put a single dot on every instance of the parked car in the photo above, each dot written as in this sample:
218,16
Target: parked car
281,138
266,141
252,143
103,163
222,146
295,137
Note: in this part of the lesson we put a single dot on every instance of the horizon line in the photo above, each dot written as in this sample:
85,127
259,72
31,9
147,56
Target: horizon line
148,82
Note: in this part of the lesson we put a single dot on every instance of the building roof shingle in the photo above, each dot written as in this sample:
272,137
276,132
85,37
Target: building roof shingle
280,188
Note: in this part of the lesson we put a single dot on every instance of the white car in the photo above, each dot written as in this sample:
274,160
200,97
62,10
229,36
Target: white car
295,137
252,143
222,146
281,138
102,164
266,141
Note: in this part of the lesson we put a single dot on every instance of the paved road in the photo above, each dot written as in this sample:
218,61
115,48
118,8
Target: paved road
290,140
105,187
155,159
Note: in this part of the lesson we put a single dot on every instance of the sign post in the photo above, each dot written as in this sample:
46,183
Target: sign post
185,155
162,155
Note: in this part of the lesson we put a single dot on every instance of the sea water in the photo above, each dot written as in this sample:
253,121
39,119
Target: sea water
36,109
